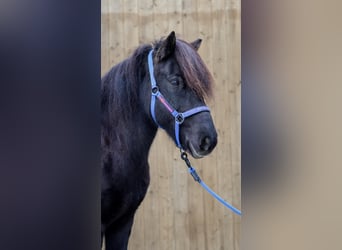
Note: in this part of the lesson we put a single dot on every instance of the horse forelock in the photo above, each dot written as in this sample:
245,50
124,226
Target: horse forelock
194,71
130,73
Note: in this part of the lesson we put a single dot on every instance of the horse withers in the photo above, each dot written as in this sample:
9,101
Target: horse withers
160,85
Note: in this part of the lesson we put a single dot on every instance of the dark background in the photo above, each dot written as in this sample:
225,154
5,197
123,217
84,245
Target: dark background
49,129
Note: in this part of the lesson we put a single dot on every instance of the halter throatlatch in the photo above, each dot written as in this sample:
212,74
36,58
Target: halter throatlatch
179,116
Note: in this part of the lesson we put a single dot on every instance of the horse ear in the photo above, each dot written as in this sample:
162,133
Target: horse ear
196,44
167,47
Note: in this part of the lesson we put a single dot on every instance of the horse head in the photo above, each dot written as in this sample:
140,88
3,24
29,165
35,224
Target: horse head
180,83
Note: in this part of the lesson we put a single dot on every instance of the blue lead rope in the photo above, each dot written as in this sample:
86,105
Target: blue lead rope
196,177
193,172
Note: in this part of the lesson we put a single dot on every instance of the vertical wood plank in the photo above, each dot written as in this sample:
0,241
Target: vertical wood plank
130,26
116,43
234,34
209,174
222,73
195,194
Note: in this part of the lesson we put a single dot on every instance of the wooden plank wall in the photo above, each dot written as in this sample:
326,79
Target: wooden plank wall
176,213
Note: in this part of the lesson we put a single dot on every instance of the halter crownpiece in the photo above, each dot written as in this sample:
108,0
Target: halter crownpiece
179,116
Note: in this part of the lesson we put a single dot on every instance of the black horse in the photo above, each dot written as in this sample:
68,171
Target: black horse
160,85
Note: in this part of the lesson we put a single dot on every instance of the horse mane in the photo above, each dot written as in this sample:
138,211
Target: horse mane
120,86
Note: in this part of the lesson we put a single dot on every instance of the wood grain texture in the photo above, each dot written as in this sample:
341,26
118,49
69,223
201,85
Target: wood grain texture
176,213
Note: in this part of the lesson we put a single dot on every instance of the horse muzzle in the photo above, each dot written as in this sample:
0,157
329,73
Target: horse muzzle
202,146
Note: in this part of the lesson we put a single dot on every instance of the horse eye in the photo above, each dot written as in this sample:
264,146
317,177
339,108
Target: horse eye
174,82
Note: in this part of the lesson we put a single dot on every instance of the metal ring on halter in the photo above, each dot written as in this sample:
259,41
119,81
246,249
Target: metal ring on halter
155,90
179,118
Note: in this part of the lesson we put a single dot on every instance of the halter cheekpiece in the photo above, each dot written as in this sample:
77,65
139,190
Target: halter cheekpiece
179,116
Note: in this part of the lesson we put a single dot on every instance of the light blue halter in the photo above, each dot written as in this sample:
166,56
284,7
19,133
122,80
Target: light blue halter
179,116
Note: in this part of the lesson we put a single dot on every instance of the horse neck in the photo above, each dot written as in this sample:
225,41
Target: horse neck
131,138
139,135
128,126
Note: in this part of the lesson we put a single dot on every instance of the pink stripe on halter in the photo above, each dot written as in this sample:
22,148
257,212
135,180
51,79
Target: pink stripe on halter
166,104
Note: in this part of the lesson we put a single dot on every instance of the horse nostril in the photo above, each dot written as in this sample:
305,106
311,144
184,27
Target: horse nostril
205,143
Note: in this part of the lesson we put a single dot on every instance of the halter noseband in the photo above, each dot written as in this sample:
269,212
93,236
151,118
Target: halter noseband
179,116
